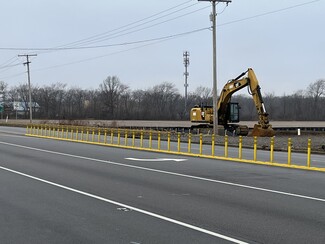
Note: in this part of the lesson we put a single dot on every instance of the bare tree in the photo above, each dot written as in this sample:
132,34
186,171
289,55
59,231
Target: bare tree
112,90
22,91
204,93
316,90
3,96
50,100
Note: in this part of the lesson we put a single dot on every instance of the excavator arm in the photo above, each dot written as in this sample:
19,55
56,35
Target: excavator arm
255,91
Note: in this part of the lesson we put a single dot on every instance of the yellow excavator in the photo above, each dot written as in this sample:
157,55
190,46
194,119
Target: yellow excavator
228,112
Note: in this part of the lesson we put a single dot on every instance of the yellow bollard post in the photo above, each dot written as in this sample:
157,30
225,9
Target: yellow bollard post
133,138
87,135
37,130
27,130
105,136
226,146
72,134
178,142
189,146
289,151
309,153
98,136
93,135
272,150
159,138
168,141
240,147
112,135
82,134
150,140
67,133
255,148
141,139
41,130
201,142
125,138
212,144
58,134
77,134
118,137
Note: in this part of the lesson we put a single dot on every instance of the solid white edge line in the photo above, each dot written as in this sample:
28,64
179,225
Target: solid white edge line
170,173
127,206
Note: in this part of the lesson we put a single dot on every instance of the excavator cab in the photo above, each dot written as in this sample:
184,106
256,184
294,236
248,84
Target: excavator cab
233,113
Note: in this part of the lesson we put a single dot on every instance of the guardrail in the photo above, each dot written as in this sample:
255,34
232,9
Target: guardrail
200,145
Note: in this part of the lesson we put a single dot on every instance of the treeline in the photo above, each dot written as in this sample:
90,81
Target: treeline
113,100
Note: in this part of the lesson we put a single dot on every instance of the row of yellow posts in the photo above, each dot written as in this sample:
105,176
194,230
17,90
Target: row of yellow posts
112,137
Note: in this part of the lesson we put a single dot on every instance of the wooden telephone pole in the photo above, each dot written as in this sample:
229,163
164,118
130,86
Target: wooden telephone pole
214,72
29,88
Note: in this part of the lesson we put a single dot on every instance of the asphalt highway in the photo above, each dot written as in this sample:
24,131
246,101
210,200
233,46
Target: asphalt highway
63,192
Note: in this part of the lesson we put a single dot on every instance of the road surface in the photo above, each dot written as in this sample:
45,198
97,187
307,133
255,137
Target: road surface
63,192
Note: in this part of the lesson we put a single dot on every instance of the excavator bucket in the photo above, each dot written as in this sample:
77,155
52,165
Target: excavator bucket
263,132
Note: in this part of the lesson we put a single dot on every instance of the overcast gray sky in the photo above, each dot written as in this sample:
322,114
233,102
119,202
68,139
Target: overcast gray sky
282,40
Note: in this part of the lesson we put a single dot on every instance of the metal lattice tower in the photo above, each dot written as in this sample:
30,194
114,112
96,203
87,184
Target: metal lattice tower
186,61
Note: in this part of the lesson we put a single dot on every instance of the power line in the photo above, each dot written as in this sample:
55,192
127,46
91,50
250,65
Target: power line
153,25
100,39
82,41
12,76
8,61
122,51
9,66
133,28
268,13
147,40
103,46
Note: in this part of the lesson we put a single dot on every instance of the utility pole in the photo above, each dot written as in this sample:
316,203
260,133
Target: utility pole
186,59
29,88
213,18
